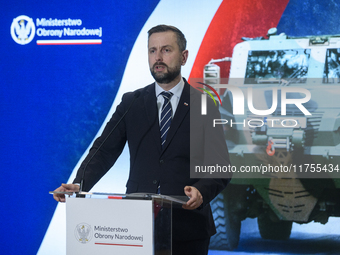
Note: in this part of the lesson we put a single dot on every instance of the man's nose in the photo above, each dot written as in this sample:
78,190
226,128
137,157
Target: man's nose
159,56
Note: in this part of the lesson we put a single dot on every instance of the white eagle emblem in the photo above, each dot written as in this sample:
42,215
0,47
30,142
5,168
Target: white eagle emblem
83,233
22,30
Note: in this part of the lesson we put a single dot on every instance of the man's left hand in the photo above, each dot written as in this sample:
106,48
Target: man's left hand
195,200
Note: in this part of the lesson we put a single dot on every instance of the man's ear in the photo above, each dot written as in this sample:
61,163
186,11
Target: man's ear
185,55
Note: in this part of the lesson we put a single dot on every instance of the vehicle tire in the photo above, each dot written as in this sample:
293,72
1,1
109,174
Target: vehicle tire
274,230
228,225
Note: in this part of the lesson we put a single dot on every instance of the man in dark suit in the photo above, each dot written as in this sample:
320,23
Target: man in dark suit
167,138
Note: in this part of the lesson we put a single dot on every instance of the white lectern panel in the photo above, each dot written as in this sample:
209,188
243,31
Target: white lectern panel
109,226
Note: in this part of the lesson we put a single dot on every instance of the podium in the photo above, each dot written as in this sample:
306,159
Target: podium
128,224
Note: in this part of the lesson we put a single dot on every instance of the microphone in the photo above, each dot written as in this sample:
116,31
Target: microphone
136,95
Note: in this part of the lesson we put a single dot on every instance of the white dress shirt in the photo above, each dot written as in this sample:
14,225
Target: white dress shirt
176,91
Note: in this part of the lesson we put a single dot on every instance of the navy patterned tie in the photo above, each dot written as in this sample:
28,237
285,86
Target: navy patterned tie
166,116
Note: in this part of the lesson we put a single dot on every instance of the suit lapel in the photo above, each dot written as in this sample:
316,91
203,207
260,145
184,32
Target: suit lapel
181,112
150,102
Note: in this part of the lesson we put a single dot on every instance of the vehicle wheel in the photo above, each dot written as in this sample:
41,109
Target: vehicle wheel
228,225
272,230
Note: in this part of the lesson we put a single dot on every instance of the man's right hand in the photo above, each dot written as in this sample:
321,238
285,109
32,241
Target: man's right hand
65,188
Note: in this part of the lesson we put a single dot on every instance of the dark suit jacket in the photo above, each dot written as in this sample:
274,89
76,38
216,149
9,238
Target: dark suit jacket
150,165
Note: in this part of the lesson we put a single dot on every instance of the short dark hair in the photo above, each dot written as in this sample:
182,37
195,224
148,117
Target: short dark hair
181,41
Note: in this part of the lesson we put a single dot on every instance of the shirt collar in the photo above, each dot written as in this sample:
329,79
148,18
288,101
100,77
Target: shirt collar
176,91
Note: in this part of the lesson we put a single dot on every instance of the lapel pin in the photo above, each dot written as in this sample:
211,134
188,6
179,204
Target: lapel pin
186,104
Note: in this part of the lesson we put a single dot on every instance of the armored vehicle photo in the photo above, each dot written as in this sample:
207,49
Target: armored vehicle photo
285,146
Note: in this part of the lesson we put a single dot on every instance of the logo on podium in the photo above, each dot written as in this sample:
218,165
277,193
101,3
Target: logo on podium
83,233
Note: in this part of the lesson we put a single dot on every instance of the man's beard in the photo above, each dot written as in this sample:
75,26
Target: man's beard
165,78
